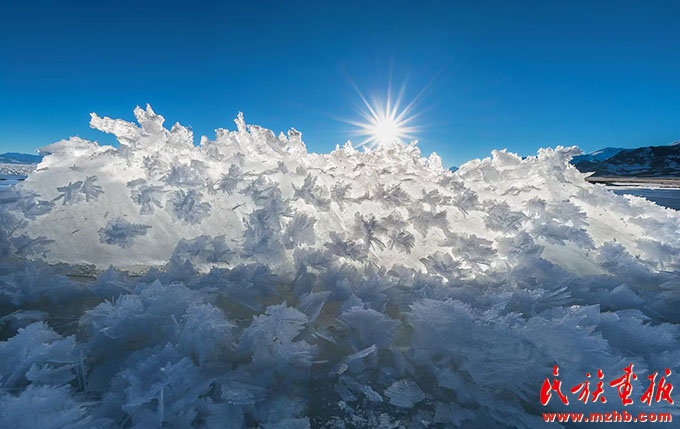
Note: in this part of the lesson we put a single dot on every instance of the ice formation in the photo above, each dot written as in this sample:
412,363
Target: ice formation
255,284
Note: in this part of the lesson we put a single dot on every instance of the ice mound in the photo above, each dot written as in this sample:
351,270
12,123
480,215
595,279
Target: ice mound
288,289
251,196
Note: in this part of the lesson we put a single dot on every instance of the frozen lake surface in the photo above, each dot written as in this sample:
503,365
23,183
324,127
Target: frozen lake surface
661,196
9,180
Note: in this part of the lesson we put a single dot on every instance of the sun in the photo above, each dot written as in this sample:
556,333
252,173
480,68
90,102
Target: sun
385,129
384,122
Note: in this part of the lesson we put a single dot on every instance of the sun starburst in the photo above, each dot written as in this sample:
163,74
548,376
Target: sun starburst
384,122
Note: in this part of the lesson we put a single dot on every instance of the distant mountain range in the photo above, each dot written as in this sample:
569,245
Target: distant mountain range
650,161
19,158
598,155
17,164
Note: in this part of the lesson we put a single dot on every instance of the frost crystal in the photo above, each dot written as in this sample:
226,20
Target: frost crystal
340,193
402,240
26,246
271,338
187,206
148,197
312,193
203,249
300,230
367,229
404,393
185,175
230,180
70,193
90,188
37,354
392,196
121,233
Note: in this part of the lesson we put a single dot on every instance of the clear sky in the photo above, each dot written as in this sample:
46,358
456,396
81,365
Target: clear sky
506,74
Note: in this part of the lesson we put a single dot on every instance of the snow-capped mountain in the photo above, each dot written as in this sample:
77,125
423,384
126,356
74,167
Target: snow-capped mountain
18,164
19,158
652,161
597,156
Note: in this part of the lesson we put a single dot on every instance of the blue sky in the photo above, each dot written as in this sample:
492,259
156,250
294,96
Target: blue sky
516,75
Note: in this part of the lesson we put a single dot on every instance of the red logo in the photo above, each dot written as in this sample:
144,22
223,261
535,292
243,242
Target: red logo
657,392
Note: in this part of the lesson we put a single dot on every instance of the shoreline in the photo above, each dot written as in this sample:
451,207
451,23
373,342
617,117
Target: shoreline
623,181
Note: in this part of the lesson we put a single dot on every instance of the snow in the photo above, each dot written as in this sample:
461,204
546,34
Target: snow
599,155
247,281
7,169
267,196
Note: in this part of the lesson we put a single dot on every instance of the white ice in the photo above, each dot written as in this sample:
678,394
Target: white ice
255,283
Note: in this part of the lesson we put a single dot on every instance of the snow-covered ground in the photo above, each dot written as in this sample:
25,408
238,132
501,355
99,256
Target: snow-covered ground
16,169
268,286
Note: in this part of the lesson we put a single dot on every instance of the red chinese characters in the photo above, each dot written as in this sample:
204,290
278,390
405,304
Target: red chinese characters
663,390
597,394
584,389
624,386
656,391
556,386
